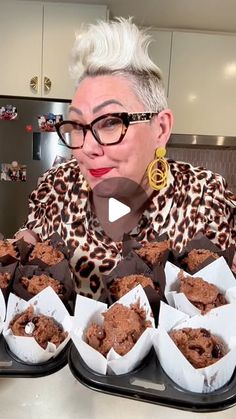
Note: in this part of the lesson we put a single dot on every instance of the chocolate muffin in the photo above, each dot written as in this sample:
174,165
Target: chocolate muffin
199,346
152,252
196,257
4,279
7,248
44,329
200,293
38,282
120,286
46,253
121,329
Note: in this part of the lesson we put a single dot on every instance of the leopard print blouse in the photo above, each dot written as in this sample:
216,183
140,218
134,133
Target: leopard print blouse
194,200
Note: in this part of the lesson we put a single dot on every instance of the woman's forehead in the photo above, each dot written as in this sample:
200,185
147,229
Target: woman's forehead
96,92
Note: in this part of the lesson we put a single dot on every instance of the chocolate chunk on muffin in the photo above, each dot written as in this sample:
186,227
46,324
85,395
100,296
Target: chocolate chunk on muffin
199,346
44,329
4,279
120,286
38,282
200,293
196,257
152,252
7,248
46,253
121,329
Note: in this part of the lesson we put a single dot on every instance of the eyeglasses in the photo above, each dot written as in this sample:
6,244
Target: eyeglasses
108,129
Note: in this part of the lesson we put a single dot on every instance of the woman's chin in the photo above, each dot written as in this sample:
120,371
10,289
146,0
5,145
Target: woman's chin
94,181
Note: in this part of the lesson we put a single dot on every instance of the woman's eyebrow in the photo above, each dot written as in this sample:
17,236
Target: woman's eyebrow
107,102
74,109
96,108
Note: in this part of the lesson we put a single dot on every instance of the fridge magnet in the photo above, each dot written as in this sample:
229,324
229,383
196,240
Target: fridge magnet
28,128
8,112
13,172
47,122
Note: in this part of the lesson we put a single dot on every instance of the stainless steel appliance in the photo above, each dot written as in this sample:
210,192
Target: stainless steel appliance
24,143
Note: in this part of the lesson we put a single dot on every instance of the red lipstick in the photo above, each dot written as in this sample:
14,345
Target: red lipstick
100,172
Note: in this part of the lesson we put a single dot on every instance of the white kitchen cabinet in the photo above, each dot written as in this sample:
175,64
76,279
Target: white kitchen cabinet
61,22
160,50
202,85
36,42
20,46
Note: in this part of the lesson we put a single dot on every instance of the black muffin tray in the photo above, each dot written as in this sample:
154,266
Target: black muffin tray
149,383
11,366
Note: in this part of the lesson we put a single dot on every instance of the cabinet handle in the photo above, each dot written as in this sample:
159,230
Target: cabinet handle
47,84
34,84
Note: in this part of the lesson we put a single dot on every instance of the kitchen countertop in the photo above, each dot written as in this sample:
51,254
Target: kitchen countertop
61,396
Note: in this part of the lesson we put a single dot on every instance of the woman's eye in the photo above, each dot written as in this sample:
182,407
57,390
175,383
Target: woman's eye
110,123
76,129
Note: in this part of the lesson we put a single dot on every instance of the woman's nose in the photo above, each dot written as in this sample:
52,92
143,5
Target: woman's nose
91,147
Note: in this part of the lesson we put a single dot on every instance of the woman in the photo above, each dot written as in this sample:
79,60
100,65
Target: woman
118,127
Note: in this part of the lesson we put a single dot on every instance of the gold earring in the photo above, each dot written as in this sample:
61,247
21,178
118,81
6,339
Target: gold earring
158,170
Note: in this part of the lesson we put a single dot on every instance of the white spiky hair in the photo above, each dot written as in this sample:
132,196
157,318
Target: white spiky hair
119,47
115,45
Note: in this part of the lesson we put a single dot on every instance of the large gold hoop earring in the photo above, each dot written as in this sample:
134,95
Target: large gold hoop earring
158,170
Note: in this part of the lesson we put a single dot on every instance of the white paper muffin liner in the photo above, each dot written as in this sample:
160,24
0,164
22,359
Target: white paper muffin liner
27,349
88,311
2,311
177,367
217,273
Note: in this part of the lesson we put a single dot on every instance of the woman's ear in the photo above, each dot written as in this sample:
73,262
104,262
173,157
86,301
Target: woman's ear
164,123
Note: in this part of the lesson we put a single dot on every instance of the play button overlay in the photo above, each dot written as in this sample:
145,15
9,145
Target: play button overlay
118,203
116,209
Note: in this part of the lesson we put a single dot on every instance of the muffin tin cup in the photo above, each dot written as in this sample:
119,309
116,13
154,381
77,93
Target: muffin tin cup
151,384
11,366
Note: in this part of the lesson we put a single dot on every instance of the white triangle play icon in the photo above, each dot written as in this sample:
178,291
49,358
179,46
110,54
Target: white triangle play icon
116,209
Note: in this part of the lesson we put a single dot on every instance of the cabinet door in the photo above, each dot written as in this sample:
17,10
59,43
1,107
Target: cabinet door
61,22
202,88
160,50
20,47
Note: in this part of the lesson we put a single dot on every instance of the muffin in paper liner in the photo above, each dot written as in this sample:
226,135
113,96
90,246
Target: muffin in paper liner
60,271
88,311
8,258
201,242
10,270
27,349
23,249
2,310
132,264
200,380
131,245
55,241
217,273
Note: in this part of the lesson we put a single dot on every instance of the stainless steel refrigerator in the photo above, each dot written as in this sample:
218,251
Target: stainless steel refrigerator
27,150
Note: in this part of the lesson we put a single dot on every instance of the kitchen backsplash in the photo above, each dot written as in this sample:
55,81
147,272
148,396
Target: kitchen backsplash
217,160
